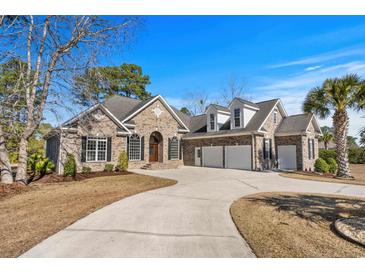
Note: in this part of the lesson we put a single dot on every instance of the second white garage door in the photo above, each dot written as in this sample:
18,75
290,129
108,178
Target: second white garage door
213,156
238,157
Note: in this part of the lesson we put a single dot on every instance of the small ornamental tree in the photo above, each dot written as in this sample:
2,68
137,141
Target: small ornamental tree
70,166
123,161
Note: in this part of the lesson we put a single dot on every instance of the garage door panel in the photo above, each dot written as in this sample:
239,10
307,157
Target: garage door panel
287,157
238,157
213,156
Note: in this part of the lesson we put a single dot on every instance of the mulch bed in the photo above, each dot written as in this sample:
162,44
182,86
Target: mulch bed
12,189
56,178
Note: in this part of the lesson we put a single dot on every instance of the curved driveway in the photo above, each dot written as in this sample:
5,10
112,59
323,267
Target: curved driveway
189,219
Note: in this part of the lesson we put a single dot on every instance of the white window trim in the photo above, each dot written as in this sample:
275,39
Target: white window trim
210,122
275,116
140,150
97,139
240,116
178,150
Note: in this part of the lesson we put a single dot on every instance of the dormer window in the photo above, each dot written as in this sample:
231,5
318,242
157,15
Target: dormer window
275,116
212,122
237,117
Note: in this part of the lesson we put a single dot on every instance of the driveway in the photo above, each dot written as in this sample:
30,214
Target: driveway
189,219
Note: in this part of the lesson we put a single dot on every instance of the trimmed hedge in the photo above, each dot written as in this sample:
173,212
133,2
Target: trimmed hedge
321,166
327,154
356,155
332,165
70,166
86,169
109,168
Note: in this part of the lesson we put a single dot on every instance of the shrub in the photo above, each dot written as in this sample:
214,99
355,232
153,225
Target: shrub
357,155
86,169
326,154
122,161
332,165
321,166
39,165
70,166
108,167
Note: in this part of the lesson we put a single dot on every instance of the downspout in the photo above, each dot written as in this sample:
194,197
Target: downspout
253,150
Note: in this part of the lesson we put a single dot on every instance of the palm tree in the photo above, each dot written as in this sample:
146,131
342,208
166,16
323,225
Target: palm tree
326,138
335,97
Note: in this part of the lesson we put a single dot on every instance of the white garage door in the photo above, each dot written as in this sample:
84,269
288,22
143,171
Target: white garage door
287,157
212,156
238,157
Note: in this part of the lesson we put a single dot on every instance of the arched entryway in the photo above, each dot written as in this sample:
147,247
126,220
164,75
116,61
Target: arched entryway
155,147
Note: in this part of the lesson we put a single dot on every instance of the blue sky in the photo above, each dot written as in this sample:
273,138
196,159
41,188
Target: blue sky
274,56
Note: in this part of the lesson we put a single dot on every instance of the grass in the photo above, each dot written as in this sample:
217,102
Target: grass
29,217
296,225
358,171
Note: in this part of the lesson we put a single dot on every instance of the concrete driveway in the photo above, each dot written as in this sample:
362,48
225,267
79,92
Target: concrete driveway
189,219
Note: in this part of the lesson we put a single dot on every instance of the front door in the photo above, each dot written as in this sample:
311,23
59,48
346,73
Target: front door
153,152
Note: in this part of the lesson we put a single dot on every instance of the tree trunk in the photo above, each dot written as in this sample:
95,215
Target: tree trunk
21,171
325,145
5,167
341,124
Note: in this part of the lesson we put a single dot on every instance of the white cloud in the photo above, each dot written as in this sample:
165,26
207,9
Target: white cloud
313,68
328,56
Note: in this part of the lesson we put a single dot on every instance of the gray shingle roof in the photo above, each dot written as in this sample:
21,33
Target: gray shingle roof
120,106
249,103
219,107
295,123
198,123
264,110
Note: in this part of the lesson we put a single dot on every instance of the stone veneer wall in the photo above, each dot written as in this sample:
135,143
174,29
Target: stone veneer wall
87,126
292,140
146,123
308,164
189,145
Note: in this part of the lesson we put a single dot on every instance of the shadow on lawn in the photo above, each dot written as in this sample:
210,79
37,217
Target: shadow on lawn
315,208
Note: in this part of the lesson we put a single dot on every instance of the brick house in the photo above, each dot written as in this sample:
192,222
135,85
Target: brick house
243,135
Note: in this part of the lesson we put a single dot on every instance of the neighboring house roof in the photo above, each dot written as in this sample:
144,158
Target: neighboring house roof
295,124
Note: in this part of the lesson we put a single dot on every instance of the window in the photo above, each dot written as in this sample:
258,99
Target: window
134,147
96,149
237,117
174,149
311,149
267,148
212,122
275,116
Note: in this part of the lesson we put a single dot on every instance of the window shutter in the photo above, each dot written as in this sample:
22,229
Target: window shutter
180,150
169,149
83,149
270,151
313,150
142,148
265,156
109,149
309,149
128,147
